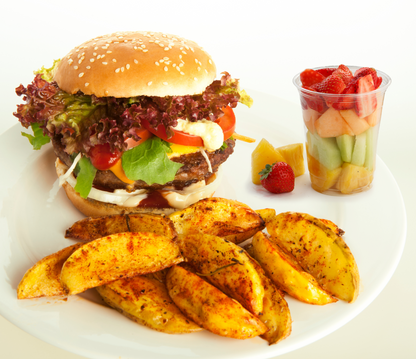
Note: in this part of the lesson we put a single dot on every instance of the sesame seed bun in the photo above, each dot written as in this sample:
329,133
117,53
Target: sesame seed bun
128,64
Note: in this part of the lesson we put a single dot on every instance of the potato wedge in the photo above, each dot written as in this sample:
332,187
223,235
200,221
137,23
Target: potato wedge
286,273
88,229
319,251
146,301
117,256
338,231
226,266
229,219
209,307
276,313
267,214
42,280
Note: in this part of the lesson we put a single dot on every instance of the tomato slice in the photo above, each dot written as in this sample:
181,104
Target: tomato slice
226,122
143,133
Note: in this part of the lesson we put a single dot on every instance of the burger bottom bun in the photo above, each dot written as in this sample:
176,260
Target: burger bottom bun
92,208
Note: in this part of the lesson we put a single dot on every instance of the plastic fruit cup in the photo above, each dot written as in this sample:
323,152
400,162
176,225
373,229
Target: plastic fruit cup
341,136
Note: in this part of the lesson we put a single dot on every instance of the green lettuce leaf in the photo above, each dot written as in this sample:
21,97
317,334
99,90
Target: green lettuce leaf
38,139
86,174
47,74
150,163
245,99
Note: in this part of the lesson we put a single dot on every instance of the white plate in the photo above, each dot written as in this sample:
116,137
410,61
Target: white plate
35,213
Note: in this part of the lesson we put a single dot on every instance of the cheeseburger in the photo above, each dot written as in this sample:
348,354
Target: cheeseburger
137,121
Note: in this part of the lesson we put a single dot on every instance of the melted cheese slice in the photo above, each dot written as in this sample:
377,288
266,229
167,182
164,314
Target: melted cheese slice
179,150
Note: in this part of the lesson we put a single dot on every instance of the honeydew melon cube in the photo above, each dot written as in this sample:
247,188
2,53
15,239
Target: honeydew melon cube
371,148
359,151
324,150
346,144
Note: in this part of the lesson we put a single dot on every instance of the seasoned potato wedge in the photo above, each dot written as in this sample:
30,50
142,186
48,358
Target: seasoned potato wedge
232,220
338,231
42,280
147,302
226,266
209,307
117,256
319,250
267,214
276,313
88,229
286,272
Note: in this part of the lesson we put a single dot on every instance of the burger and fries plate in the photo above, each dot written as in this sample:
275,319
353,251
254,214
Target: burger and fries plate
35,214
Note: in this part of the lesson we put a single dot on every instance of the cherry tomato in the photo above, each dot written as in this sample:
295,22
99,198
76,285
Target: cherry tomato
226,122
143,134
102,158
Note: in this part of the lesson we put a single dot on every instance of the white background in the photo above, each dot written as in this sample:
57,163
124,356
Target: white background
264,43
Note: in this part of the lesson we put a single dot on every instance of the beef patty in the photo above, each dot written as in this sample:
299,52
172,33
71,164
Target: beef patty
194,169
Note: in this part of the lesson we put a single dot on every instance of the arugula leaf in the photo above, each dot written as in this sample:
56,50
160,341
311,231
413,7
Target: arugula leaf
39,139
149,162
85,177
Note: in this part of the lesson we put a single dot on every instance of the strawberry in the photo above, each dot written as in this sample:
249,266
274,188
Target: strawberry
315,102
363,71
327,71
331,84
310,77
278,178
345,73
365,105
346,102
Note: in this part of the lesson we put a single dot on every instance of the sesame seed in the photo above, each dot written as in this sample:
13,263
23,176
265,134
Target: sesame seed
181,64
210,61
165,68
76,67
166,58
180,56
70,61
199,69
114,60
143,46
81,74
91,60
195,79
165,83
182,73
109,52
178,68
88,67
122,69
196,61
206,70
105,63
86,84
96,48
173,65
184,52
149,83
167,48
117,70
94,54
135,61
135,47
127,66
106,92
157,64
145,50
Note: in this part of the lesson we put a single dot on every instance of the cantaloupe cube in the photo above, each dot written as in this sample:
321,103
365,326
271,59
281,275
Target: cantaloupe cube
375,117
353,178
309,117
357,124
322,178
293,155
262,155
332,124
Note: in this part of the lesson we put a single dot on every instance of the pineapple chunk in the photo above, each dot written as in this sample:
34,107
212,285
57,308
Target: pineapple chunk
353,178
293,155
263,154
322,178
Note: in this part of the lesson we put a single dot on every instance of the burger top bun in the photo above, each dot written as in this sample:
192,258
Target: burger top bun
136,63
